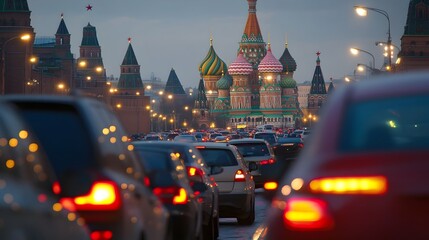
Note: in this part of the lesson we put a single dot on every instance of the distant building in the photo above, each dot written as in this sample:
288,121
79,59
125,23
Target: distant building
414,54
255,89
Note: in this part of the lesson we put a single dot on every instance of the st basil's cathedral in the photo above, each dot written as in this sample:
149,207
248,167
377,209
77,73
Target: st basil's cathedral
255,89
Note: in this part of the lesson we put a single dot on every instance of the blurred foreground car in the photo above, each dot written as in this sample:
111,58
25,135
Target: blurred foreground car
201,178
29,208
169,181
369,178
235,183
99,174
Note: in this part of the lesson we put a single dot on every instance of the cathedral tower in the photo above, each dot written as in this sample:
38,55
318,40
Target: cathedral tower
414,54
318,94
15,52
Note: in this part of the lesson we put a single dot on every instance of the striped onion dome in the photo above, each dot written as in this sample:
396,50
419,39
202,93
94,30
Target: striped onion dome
287,83
240,66
223,83
270,64
212,65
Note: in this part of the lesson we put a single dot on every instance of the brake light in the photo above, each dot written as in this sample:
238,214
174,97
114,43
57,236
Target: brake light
195,174
306,213
270,186
171,195
239,176
267,162
104,195
101,235
350,185
56,188
200,147
300,145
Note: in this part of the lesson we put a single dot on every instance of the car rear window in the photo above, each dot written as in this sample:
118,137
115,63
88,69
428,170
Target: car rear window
62,134
218,157
155,161
386,124
252,149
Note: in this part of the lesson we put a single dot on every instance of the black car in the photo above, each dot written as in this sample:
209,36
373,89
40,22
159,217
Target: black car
168,180
29,208
286,150
99,174
201,179
270,137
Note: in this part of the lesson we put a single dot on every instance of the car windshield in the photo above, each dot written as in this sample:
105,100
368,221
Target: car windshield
218,157
387,124
253,149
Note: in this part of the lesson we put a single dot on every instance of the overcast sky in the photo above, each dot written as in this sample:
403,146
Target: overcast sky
175,33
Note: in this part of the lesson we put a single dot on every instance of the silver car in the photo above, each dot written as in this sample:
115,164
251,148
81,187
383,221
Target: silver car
235,183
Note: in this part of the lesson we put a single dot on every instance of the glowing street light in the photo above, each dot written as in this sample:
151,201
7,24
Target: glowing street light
363,12
355,51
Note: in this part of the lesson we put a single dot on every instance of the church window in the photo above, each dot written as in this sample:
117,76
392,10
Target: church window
61,41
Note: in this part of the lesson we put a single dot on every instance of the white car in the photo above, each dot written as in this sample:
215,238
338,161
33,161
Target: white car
235,183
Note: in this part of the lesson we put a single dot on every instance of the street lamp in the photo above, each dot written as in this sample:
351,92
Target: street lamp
25,37
363,11
361,67
355,51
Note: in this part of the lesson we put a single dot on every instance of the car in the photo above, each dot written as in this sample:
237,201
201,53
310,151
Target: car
30,207
153,137
99,175
168,180
368,179
185,138
270,137
212,136
220,139
259,152
171,136
201,177
235,183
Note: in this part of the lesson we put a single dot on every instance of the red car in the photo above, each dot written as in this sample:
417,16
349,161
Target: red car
364,175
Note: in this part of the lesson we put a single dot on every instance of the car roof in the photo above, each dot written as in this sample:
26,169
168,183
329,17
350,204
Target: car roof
214,145
247,140
390,86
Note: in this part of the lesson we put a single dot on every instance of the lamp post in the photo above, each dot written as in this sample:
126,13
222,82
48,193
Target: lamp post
25,37
355,51
363,11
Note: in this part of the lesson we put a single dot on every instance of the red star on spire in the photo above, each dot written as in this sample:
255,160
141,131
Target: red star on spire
129,40
62,15
89,7
318,53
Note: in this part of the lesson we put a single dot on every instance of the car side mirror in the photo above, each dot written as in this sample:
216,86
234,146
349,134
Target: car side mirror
253,166
214,170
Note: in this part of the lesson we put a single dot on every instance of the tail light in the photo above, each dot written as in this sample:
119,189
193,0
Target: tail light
350,185
56,188
239,176
267,162
171,195
195,174
104,195
306,213
270,186
300,145
101,235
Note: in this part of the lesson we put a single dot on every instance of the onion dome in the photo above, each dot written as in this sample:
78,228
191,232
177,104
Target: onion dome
270,64
240,66
287,83
223,83
212,65
289,64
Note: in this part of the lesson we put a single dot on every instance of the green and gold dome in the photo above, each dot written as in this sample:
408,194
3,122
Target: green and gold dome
212,65
223,83
287,83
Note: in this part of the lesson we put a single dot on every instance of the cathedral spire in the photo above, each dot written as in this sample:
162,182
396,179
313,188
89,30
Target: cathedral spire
418,18
14,6
318,83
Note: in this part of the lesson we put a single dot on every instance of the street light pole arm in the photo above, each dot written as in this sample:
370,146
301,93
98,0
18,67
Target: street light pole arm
373,58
